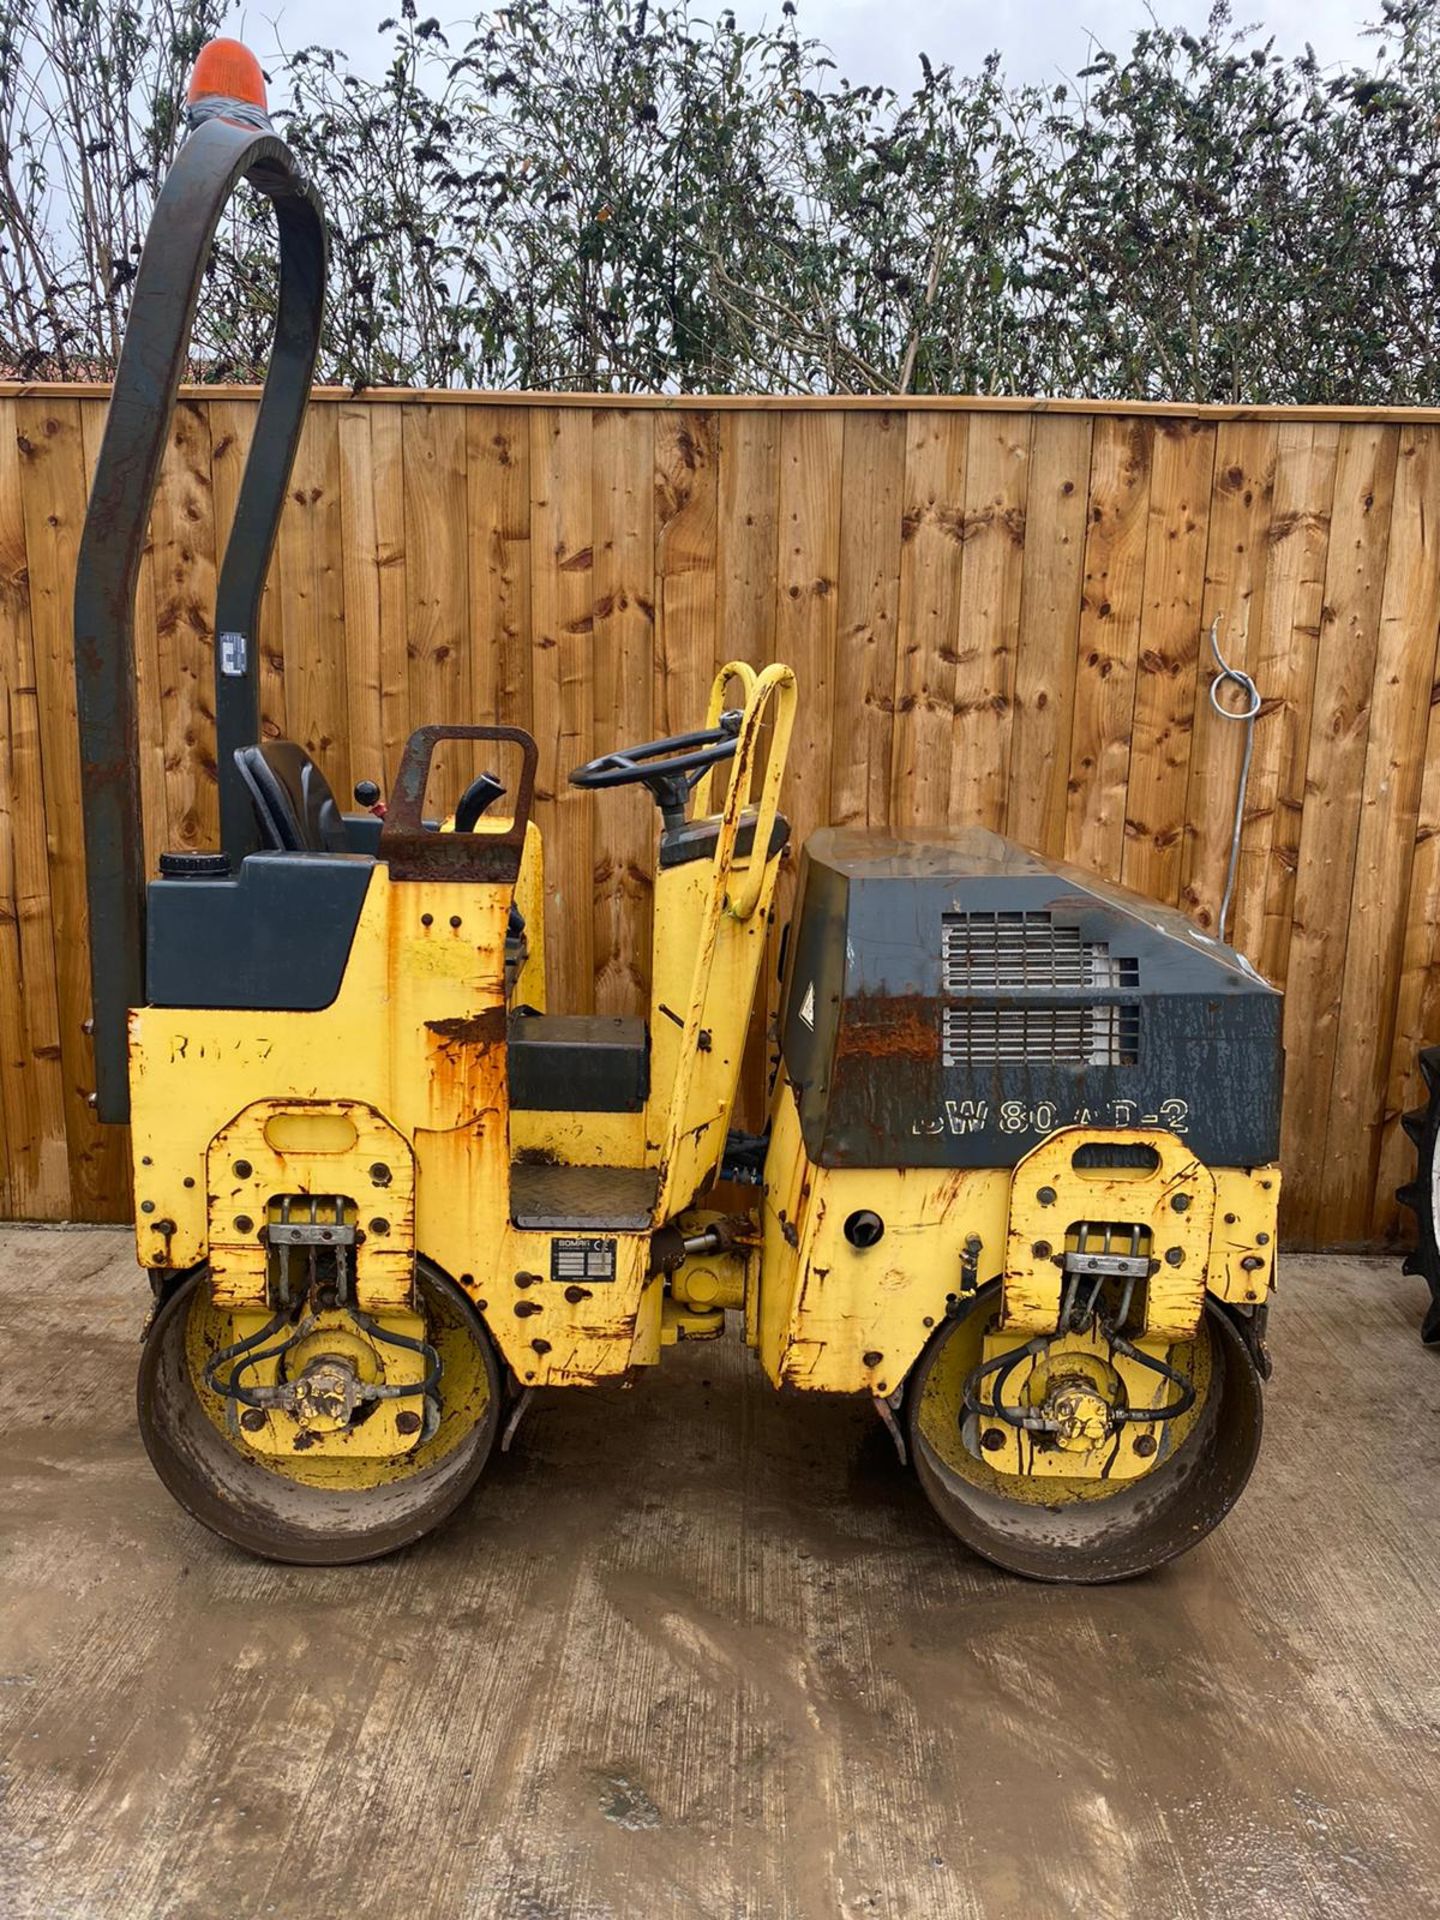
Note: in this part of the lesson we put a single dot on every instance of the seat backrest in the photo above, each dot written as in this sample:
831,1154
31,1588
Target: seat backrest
294,806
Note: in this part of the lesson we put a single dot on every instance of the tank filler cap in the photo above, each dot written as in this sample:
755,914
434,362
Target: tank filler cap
194,866
864,1229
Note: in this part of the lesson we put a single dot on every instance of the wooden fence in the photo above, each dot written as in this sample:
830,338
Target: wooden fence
996,612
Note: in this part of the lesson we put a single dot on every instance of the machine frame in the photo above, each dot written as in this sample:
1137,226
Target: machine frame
383,1193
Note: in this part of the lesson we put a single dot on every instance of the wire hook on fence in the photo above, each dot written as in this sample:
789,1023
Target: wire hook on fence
1246,714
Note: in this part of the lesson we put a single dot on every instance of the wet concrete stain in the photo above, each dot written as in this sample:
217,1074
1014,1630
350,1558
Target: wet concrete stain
699,1649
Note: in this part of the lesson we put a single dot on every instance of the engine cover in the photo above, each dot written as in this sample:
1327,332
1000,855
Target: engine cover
952,999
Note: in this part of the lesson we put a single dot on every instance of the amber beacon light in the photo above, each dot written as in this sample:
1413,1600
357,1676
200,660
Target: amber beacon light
227,70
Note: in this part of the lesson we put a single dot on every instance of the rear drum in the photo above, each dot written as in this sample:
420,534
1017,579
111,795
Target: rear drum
1087,1530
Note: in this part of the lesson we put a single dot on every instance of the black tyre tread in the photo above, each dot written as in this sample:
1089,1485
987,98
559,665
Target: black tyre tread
1422,1127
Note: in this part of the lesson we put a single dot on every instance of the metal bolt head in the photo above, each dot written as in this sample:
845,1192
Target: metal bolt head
1046,1196
407,1422
1145,1444
992,1440
1179,1202
252,1419
1174,1256
1041,1250
243,1169
380,1174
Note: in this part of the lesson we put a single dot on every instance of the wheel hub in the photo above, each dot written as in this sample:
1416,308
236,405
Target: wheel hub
1081,1413
327,1395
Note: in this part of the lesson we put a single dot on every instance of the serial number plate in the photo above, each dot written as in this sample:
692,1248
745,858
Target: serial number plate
582,1259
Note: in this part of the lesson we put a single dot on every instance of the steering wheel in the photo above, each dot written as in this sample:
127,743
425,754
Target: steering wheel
669,768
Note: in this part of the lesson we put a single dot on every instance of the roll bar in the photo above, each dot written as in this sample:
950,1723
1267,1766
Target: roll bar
206,171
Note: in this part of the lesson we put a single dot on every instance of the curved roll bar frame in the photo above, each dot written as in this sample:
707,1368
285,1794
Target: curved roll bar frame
203,177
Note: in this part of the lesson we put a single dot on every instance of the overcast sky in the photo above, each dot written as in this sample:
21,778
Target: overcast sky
880,40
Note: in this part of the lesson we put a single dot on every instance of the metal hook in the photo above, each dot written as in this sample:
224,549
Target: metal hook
1246,715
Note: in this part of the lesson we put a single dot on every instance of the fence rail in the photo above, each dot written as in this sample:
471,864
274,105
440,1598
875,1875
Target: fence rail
996,613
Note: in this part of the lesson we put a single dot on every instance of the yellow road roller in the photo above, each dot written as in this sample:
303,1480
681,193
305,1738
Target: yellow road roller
1017,1181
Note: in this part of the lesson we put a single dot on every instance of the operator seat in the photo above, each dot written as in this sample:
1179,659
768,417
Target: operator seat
294,806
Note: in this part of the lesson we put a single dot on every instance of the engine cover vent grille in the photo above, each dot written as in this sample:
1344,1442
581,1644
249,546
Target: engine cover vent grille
1080,1036
1026,953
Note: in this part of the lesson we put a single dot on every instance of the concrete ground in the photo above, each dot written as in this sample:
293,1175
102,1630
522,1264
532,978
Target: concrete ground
695,1650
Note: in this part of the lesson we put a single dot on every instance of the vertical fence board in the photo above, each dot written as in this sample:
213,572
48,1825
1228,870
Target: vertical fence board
686,511
437,588
1052,583
498,473
309,571
53,490
1339,725
931,559
747,537
372,511
1385,842
562,689
873,477
1169,654
805,619
624,647
32,1079
996,478
183,546
1298,540
1109,641
993,615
